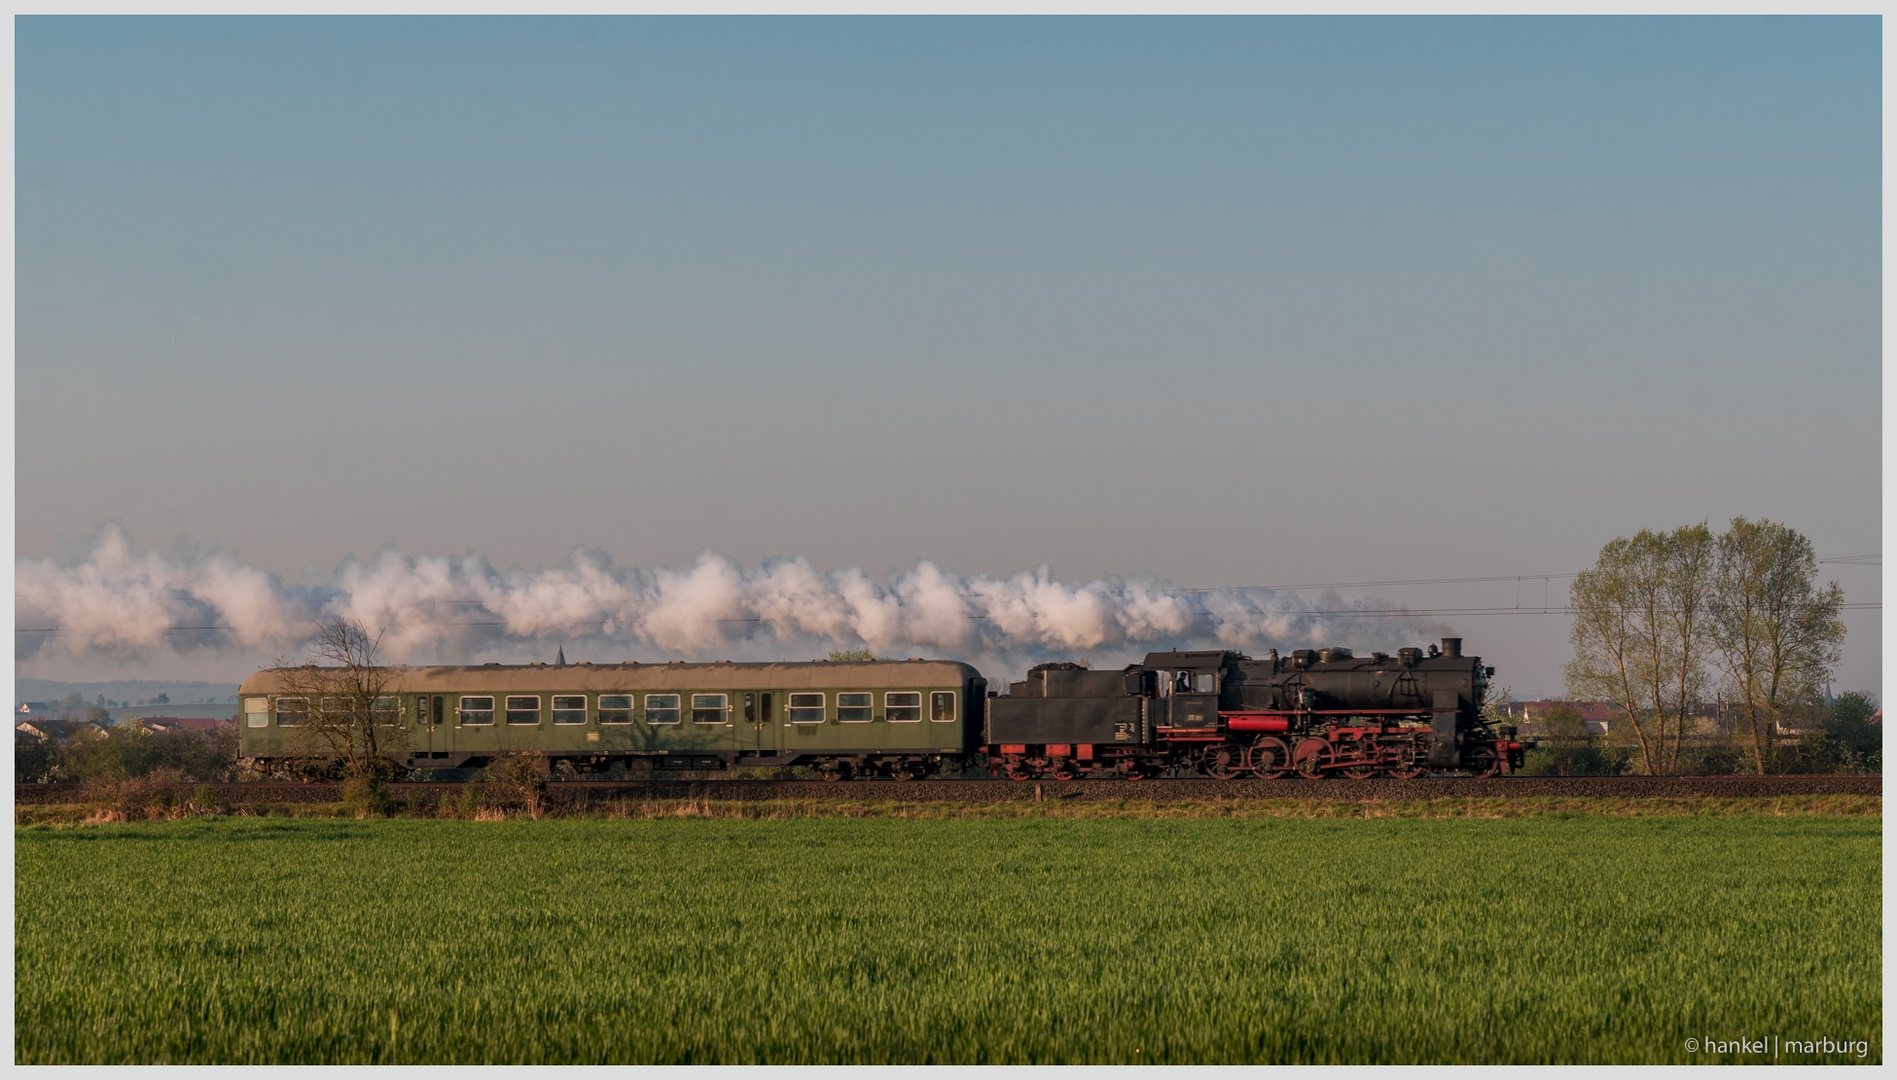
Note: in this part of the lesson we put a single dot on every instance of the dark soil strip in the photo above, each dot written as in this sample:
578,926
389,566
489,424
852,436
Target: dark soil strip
1181,790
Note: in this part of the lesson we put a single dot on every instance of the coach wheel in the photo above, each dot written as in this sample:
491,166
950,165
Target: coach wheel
1311,757
1483,761
1269,758
831,770
904,770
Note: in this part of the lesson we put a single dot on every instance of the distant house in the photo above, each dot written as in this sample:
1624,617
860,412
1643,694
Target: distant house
27,707
1596,716
57,731
182,723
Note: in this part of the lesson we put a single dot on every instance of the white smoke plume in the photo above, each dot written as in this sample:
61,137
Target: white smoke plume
115,607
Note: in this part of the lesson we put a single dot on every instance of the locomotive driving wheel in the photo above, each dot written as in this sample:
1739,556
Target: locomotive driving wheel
1484,761
1409,765
1220,761
1361,770
1312,757
1269,758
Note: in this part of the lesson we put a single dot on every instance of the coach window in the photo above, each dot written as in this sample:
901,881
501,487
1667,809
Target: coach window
476,710
386,711
569,710
903,708
523,708
292,711
661,708
806,708
855,708
615,708
336,712
708,708
942,707
256,712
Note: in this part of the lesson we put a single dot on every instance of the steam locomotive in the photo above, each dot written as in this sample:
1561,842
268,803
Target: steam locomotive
1223,714
1218,713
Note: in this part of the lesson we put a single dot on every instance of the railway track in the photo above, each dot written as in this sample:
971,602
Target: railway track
1155,790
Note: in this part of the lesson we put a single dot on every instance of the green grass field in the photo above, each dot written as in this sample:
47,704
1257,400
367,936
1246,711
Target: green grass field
1025,940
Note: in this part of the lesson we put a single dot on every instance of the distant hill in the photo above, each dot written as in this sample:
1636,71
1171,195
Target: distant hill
127,690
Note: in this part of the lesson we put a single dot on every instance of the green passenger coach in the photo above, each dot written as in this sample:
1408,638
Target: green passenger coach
895,718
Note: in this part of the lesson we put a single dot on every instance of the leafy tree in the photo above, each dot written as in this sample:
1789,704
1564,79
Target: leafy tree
72,702
1777,632
1640,631
1849,742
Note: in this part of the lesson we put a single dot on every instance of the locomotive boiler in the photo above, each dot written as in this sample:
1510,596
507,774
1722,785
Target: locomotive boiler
1313,712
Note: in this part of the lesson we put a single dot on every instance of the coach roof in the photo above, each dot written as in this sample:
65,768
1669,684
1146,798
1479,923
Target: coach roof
501,678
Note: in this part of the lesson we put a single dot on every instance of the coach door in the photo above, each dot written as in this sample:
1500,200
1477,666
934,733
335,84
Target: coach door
757,732
435,738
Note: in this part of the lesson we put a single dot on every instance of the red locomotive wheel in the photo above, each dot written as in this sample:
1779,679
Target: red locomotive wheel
1269,758
1312,757
1410,767
1220,762
1361,771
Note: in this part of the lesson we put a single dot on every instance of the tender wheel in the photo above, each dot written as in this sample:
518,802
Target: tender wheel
1484,761
1066,770
1311,758
1019,769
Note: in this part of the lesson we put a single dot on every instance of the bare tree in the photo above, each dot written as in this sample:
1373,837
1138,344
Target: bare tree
1639,634
349,715
1778,634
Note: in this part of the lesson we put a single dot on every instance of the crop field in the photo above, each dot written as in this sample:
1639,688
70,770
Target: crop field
1531,939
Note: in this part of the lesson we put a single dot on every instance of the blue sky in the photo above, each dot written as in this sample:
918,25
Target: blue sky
1230,301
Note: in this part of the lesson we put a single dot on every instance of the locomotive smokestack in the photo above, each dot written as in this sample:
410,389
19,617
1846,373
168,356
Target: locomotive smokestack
1452,646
